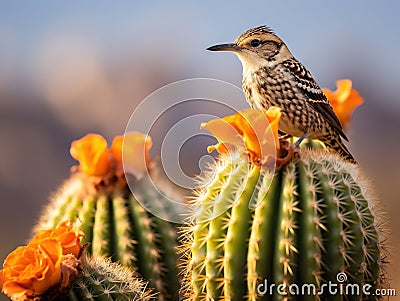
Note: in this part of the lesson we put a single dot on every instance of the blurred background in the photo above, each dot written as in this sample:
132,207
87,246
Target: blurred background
69,68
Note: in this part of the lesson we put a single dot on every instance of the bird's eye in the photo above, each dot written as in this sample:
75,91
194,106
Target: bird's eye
255,42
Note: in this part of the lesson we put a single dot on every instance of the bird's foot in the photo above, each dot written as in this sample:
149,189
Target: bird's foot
288,151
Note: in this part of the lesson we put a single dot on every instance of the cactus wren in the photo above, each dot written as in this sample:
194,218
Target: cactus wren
273,77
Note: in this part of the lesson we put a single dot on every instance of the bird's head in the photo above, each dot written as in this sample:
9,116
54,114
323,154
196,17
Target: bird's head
257,47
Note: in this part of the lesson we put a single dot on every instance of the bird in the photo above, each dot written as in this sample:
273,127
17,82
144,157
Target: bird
272,76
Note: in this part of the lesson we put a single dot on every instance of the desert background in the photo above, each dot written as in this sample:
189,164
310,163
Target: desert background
70,68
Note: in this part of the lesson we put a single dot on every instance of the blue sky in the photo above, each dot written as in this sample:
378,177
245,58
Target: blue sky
334,39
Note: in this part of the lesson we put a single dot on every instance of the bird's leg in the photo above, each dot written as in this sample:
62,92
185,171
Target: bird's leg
300,140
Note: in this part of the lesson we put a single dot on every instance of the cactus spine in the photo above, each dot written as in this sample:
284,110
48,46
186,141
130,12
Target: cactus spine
109,205
101,279
117,226
303,224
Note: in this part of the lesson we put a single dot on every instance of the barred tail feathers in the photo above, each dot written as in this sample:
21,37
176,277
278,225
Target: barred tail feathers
337,146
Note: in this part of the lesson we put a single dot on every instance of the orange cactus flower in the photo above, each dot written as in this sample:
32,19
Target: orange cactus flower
255,130
92,153
67,233
227,134
344,100
30,270
136,148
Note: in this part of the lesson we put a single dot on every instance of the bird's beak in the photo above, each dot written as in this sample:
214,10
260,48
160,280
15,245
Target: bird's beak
224,47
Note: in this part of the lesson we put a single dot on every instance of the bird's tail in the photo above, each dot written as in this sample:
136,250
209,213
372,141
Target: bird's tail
338,146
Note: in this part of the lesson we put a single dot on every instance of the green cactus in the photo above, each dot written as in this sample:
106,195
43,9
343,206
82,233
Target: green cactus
116,225
101,279
305,223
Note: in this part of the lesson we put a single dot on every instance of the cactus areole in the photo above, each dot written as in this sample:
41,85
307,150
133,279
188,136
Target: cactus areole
286,234
114,222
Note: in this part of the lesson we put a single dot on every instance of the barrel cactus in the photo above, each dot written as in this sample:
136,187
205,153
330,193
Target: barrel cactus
261,233
115,224
55,266
101,279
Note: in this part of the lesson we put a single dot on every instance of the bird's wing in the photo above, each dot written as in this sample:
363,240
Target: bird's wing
316,97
